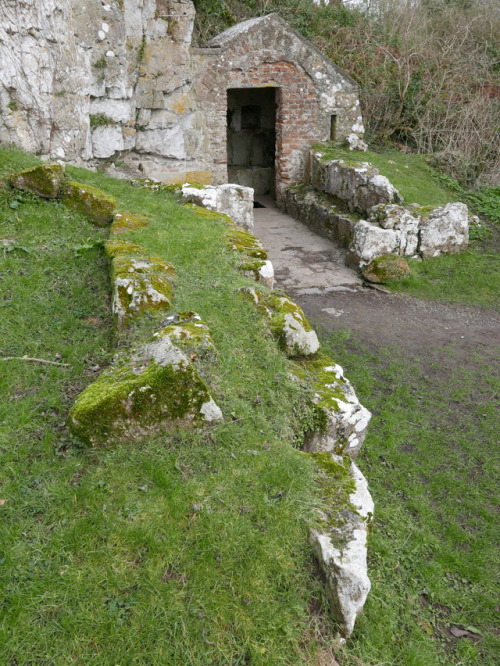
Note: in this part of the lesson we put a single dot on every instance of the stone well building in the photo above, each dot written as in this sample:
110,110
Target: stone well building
119,82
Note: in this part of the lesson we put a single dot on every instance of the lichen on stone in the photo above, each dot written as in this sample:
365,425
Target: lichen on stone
188,332
243,241
96,205
44,181
124,221
140,283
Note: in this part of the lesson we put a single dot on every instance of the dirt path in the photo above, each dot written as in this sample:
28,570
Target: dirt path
311,269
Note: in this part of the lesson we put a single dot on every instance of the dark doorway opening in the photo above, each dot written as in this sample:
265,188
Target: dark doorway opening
251,138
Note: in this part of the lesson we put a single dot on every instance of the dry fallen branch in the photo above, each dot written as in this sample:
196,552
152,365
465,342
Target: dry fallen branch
33,360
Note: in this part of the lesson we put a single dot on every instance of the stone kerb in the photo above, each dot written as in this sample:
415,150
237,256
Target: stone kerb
335,433
342,552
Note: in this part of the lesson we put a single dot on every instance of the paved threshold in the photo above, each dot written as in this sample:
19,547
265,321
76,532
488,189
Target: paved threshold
303,261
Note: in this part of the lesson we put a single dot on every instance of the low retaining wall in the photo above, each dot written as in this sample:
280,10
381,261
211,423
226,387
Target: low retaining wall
354,205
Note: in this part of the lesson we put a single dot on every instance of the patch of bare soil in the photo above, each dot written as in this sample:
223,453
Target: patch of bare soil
438,333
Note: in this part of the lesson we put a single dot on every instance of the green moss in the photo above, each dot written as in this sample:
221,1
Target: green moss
101,63
125,221
96,205
44,181
245,242
122,404
322,382
336,485
386,268
140,284
115,247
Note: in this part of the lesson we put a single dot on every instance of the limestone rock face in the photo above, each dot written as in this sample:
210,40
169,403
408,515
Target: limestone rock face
96,205
388,267
235,201
156,388
45,180
445,230
342,554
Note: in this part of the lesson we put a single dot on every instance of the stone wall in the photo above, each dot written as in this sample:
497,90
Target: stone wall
336,194
106,81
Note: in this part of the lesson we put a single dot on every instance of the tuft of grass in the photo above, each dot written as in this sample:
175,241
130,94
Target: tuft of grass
431,461
183,549
410,174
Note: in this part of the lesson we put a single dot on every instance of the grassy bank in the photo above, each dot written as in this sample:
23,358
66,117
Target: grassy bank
184,549
432,464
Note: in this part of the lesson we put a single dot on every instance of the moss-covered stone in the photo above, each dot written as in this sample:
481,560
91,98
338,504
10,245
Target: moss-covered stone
124,221
156,389
336,487
44,181
386,268
188,332
115,247
287,322
243,241
96,205
140,284
289,326
343,428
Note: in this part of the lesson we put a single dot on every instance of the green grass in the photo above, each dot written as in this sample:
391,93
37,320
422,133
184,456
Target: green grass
184,549
432,464
408,172
471,277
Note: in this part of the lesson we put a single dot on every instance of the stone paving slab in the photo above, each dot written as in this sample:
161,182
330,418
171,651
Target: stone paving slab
301,259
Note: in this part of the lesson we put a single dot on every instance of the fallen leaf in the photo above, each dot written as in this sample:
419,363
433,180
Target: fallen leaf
458,632
2,501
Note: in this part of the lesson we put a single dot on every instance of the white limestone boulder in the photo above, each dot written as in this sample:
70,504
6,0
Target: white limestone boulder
445,230
370,241
341,551
235,201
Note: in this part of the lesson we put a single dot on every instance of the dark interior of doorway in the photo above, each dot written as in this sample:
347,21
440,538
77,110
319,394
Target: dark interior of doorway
251,138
